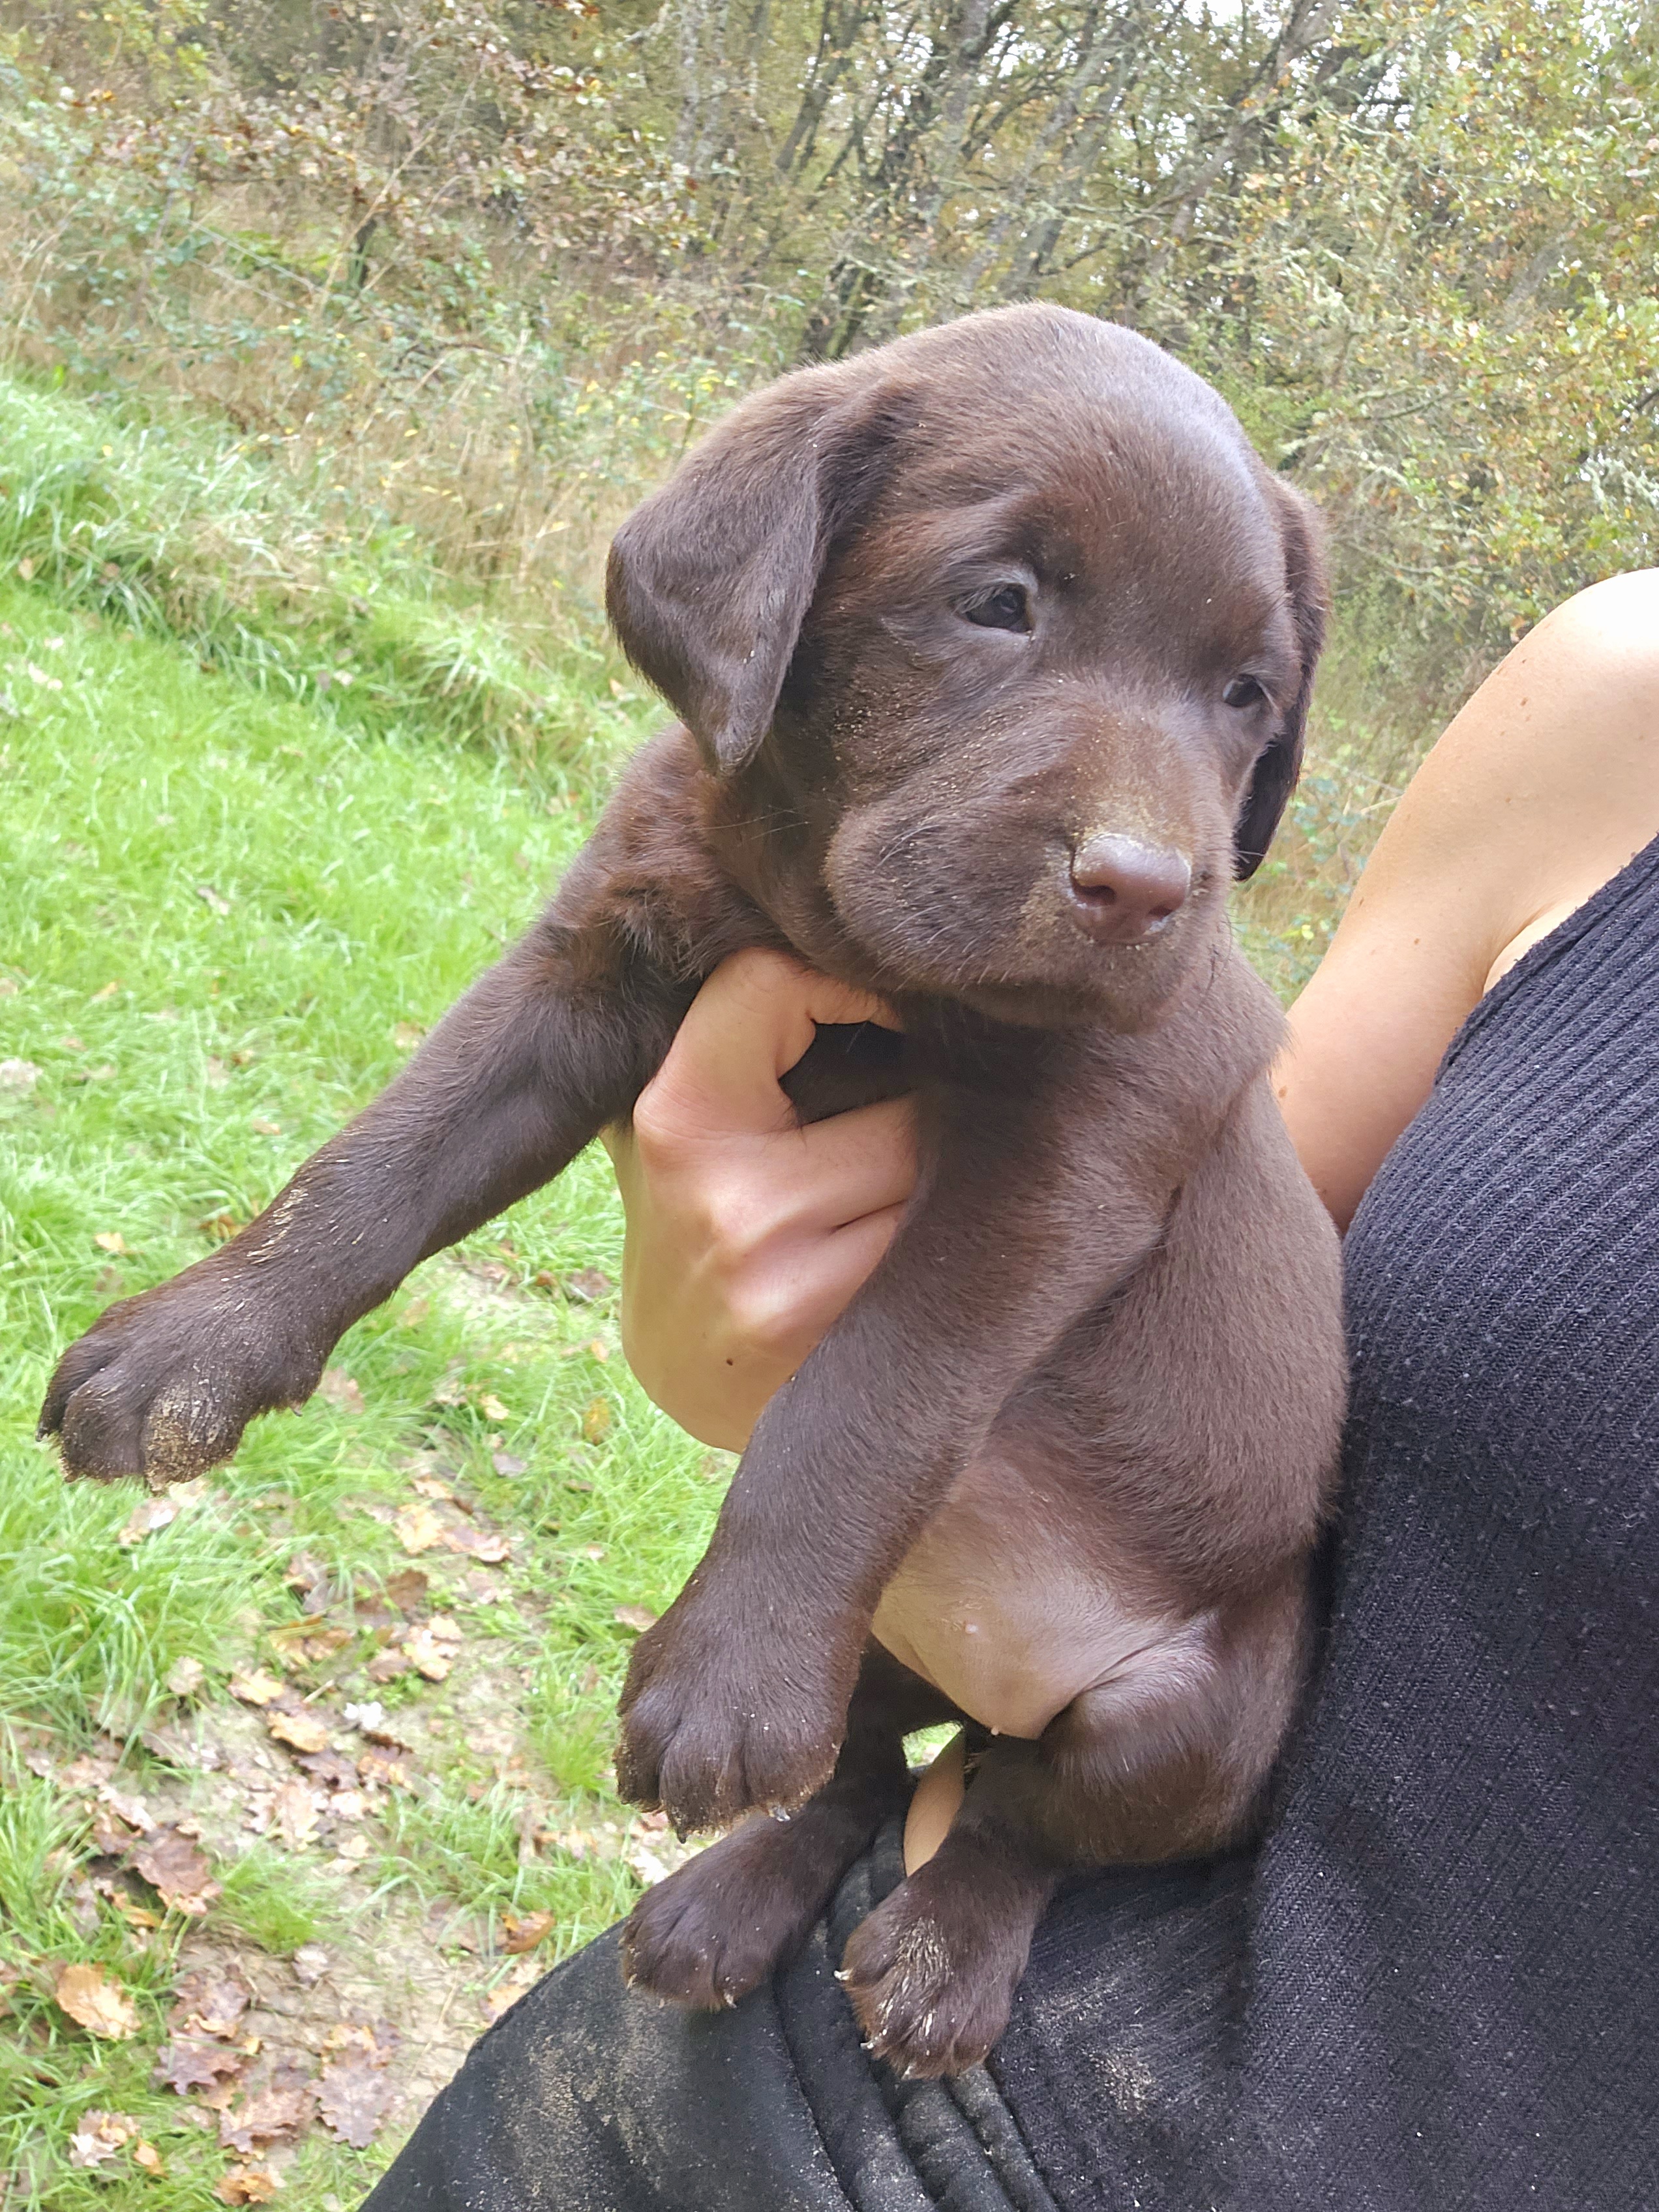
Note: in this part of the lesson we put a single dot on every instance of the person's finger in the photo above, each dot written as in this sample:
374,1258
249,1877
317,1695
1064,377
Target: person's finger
782,1305
749,1023
808,1182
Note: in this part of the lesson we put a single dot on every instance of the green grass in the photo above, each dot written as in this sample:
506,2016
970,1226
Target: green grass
223,915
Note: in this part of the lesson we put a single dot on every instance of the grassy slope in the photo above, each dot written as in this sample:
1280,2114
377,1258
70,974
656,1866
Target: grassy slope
357,881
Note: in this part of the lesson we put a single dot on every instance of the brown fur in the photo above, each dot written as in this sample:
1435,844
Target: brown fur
1092,1396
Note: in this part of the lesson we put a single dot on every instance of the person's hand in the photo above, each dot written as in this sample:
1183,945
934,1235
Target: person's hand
747,1235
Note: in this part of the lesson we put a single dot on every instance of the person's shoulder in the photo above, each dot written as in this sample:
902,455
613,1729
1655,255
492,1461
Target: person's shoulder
1548,782
1558,750
1613,625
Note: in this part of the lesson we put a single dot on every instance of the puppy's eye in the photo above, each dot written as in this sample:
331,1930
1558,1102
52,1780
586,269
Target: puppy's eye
1243,692
1006,608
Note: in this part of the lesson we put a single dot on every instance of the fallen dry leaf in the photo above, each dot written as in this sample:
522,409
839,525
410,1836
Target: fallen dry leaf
248,2184
380,1766
108,991
174,1865
261,1127
508,1463
339,1390
596,1420
416,1527
189,2063
407,1034
507,1993
407,1590
209,2002
296,1808
97,2003
304,1731
491,1406
635,1616
86,1771
146,2155
430,1486
487,1545
112,1241
644,1864
310,1640
128,1808
185,1677
586,1284
353,2095
331,1768
276,2114
310,1963
258,1688
99,2137
432,1647
525,1935
148,1515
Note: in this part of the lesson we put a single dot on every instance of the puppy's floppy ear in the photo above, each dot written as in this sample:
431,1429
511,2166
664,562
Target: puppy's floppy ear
710,578
1273,777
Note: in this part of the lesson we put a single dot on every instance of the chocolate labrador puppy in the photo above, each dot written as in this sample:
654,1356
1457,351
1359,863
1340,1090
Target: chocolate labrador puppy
992,650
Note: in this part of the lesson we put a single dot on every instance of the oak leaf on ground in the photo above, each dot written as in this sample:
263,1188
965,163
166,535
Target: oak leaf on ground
257,1688
276,2114
209,2002
190,2063
248,2184
96,2001
526,1934
174,1865
353,2095
304,1731
99,2137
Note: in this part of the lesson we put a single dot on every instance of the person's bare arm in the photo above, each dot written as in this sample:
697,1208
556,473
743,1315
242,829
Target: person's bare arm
1543,787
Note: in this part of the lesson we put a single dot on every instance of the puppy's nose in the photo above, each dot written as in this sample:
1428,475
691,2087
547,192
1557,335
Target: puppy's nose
1123,891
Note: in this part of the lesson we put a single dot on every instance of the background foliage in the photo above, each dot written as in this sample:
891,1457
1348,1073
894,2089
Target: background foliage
489,262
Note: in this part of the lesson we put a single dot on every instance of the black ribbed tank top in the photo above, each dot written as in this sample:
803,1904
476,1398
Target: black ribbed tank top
1436,1988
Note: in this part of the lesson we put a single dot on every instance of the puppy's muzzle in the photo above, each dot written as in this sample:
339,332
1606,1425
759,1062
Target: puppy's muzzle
1123,891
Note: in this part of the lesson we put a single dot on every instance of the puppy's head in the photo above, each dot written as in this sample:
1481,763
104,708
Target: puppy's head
1003,637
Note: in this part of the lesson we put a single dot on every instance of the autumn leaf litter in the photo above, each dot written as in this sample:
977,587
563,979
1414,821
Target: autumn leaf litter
280,1751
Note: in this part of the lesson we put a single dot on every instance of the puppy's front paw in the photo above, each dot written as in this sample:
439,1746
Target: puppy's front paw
162,1385
715,1724
932,1974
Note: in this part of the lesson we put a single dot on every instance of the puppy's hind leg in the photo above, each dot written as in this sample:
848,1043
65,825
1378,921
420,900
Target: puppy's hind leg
1165,1760
931,1971
720,1924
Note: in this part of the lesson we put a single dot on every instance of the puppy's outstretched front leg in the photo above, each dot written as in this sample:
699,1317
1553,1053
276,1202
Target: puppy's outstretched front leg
515,1080
737,1697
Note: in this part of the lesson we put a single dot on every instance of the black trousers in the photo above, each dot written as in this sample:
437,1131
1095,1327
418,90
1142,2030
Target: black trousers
589,2097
